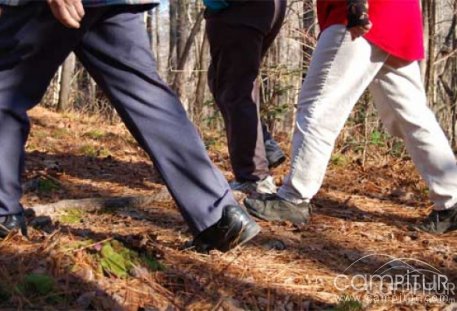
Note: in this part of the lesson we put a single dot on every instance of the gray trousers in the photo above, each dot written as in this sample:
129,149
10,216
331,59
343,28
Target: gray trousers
239,38
113,46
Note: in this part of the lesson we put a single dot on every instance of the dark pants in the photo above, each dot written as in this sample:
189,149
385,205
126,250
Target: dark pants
239,38
113,46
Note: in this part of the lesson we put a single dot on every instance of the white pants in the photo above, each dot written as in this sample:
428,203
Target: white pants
340,71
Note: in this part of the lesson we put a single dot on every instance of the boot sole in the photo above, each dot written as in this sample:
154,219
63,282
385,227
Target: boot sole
249,233
275,219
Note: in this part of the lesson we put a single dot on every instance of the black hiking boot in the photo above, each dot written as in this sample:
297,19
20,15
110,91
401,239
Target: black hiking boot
234,228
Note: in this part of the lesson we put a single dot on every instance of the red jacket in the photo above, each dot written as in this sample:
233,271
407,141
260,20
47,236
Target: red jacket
397,24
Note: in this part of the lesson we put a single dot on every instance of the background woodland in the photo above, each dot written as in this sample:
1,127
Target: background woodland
178,41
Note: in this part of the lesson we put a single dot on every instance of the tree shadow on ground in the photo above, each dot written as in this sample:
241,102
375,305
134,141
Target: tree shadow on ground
311,245
68,291
108,169
380,278
195,278
383,183
349,211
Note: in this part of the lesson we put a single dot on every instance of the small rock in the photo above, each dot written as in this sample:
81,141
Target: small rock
275,245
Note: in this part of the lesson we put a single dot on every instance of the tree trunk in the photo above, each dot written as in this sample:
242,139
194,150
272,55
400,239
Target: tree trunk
309,39
68,70
177,82
182,27
430,10
172,59
197,107
156,40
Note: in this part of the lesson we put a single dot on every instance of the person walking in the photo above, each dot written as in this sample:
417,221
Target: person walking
374,45
239,35
110,40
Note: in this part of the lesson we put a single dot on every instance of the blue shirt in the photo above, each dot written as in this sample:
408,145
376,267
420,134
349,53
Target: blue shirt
216,5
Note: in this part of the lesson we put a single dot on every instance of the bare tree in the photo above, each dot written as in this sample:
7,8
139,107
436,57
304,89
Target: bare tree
68,70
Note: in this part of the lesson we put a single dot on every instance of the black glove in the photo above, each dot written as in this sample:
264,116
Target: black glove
357,13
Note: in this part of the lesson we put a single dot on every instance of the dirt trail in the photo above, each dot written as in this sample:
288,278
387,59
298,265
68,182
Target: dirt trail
133,259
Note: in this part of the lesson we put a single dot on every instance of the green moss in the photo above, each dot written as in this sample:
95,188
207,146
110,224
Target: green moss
339,159
88,150
115,261
41,134
93,151
60,133
118,260
72,216
95,134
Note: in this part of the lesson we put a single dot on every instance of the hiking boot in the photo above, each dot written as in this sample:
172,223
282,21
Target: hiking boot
234,228
439,221
275,156
12,222
264,186
274,208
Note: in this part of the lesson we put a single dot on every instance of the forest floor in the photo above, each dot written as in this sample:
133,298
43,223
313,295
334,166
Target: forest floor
134,259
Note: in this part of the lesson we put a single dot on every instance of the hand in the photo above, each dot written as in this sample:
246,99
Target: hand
68,12
359,31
